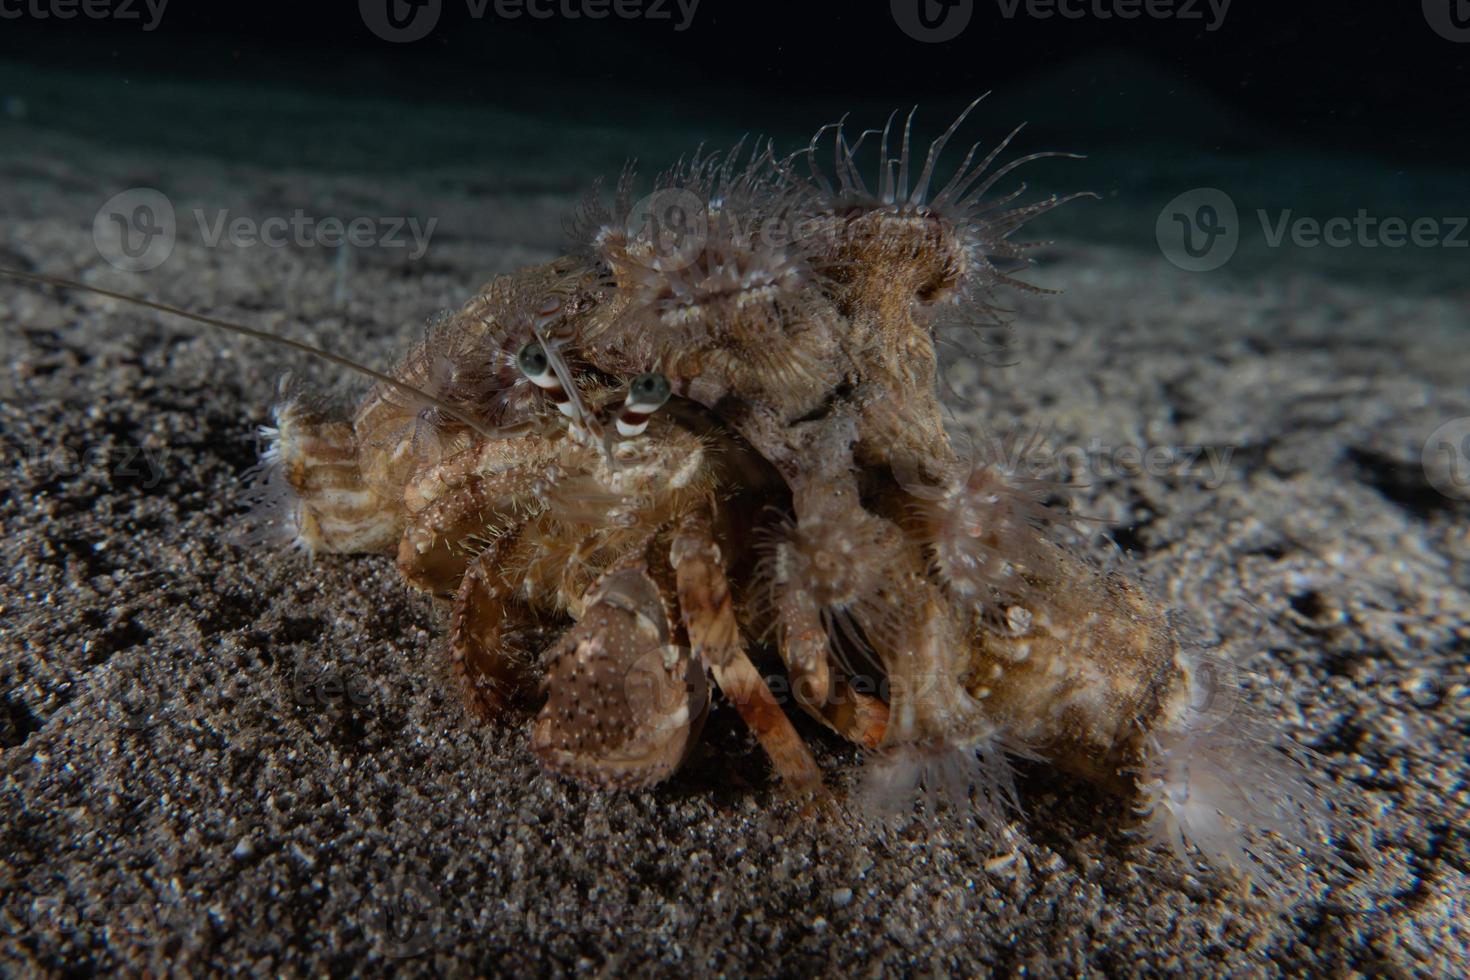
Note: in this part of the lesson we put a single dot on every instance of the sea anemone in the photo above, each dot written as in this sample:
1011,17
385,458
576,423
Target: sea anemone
975,778
1218,776
989,524
275,513
710,269
459,366
942,251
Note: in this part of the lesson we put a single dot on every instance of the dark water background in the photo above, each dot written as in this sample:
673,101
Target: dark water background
1297,110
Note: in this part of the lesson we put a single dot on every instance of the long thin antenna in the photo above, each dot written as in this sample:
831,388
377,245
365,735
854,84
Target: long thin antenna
580,415
457,414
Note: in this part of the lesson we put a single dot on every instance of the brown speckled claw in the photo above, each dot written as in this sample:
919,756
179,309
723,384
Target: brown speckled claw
623,703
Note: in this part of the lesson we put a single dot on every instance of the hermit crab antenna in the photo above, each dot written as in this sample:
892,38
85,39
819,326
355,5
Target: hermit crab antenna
555,375
647,393
459,415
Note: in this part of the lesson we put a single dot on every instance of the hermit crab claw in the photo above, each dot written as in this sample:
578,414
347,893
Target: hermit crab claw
623,703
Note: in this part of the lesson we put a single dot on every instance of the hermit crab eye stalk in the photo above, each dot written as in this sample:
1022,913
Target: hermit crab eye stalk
647,393
534,363
536,366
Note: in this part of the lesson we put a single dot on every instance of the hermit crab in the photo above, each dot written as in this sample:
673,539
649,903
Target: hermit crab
708,443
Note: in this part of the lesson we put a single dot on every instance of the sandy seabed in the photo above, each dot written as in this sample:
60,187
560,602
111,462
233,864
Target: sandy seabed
239,759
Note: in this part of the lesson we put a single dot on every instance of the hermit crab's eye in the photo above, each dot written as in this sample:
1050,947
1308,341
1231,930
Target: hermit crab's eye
647,393
535,364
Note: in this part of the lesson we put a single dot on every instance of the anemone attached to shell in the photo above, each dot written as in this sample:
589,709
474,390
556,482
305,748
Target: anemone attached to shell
989,523
939,249
710,276
1218,777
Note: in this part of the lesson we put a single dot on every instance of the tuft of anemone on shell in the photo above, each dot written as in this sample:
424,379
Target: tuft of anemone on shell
470,366
275,514
452,366
963,231
1218,777
974,778
710,264
989,523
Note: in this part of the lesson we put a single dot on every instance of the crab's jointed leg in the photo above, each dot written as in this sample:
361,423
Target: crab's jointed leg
709,618
492,672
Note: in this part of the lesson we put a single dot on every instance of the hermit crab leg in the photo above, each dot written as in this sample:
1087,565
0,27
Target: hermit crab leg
452,506
709,619
442,538
487,668
824,694
856,716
